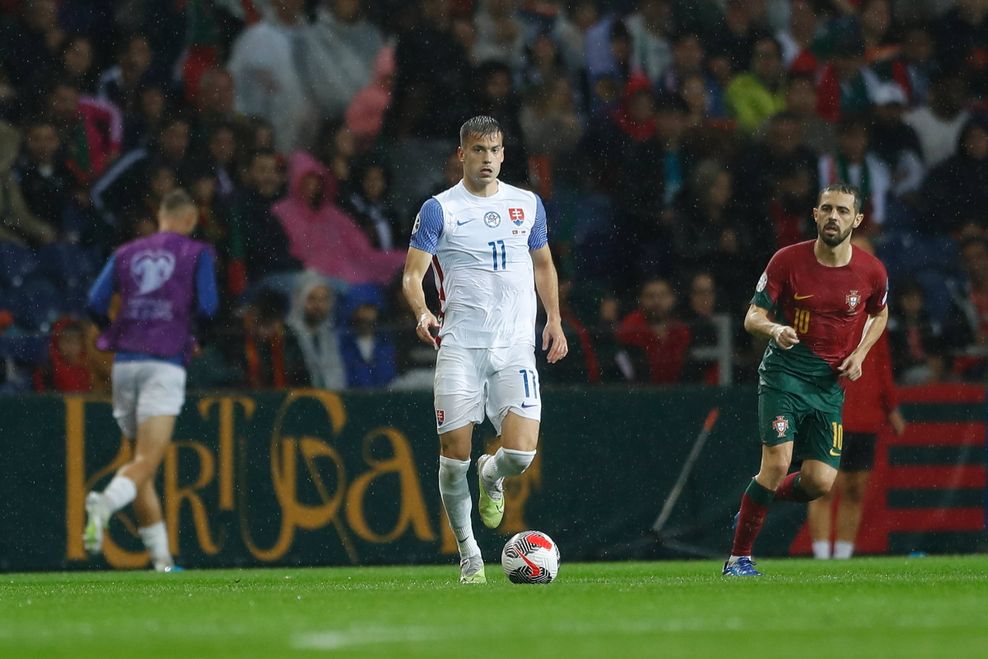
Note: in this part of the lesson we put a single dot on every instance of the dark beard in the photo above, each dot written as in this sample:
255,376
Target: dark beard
836,240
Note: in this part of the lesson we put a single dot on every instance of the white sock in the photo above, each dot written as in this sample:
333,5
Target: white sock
119,493
155,538
734,559
455,492
507,462
843,549
821,549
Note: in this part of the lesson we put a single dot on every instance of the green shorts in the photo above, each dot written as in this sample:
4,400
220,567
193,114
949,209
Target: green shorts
811,420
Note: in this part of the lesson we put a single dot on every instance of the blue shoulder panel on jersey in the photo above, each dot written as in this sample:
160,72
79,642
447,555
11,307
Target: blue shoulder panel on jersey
98,302
206,292
428,227
539,237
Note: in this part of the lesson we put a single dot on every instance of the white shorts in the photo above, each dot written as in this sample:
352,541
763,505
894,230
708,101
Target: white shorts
143,389
472,381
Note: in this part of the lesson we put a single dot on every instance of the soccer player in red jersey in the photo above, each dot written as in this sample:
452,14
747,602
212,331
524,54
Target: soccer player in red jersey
822,305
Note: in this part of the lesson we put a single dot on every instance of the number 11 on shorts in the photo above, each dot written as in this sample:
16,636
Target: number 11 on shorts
531,391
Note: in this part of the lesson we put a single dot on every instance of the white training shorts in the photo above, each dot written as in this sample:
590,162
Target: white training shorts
472,381
143,389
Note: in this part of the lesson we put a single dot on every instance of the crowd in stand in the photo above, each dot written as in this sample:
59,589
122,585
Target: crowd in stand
676,143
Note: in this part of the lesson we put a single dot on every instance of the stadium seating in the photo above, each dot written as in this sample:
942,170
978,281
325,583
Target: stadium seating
17,264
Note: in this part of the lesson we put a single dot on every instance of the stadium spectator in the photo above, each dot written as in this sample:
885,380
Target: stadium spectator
31,45
500,34
960,36
938,123
368,353
650,27
709,231
757,164
17,222
966,326
212,225
311,322
220,159
543,62
92,132
120,83
844,82
45,180
853,162
793,187
365,114
336,148
655,329
67,369
270,354
551,124
801,104
688,62
341,48
144,123
757,94
704,335
954,191
78,63
731,40
870,402
915,339
917,62
215,106
431,74
264,62
582,365
497,97
259,248
368,204
322,236
121,189
797,39
896,144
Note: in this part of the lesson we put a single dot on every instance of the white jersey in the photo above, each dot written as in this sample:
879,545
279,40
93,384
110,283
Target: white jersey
482,265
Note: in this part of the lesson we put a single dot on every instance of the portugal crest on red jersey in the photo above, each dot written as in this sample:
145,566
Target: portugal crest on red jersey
853,299
780,425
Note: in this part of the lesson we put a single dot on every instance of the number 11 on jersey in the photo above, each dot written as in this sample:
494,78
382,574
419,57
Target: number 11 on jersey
533,390
504,253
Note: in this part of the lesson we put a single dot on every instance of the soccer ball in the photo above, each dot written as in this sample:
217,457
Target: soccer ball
530,557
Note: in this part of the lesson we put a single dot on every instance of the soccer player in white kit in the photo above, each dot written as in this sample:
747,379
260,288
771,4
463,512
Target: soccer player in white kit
487,244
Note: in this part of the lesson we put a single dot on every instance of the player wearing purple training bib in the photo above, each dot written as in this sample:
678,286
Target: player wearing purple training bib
164,281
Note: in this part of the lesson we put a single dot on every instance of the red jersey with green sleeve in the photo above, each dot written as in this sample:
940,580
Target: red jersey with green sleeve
827,306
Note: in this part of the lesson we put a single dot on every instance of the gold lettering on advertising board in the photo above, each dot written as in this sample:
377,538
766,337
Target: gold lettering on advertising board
207,479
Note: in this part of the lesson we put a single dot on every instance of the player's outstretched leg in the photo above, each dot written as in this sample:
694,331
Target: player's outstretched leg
97,517
747,524
152,529
491,471
455,492
491,501
100,506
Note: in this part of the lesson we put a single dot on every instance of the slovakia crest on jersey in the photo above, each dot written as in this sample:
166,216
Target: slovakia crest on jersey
780,425
492,219
517,215
853,299
440,417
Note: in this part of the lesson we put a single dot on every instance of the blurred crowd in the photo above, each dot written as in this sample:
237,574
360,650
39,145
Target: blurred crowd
676,143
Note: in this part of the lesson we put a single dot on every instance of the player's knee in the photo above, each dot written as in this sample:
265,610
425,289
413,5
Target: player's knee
854,492
815,485
772,474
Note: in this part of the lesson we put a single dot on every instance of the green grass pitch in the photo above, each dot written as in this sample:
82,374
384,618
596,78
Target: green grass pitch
868,607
